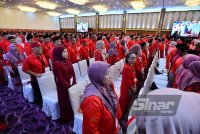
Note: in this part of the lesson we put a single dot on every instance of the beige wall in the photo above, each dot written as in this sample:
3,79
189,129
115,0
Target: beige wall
136,20
15,19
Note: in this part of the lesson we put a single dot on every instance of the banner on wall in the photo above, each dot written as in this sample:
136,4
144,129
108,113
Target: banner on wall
82,27
186,28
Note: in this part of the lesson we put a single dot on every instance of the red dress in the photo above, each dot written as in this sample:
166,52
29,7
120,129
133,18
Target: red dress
97,119
63,73
128,76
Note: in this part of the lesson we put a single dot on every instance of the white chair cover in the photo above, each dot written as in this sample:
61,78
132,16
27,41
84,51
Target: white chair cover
47,69
50,64
113,73
27,88
75,92
91,60
83,68
77,72
49,95
7,74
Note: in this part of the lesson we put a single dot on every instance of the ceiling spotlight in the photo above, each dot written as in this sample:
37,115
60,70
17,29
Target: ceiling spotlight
73,11
27,9
138,4
100,8
46,4
79,2
53,13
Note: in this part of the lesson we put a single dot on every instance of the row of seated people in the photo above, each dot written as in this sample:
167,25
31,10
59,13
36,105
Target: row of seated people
182,61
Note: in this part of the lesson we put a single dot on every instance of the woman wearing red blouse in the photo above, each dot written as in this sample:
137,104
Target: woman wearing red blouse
139,66
99,104
13,58
99,53
65,78
128,83
113,54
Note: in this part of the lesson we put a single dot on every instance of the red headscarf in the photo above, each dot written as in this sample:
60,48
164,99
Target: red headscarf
57,54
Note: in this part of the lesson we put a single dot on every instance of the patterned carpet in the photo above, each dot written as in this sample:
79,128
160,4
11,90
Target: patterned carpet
23,117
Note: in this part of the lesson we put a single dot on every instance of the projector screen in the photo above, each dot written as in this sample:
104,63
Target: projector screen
82,27
186,28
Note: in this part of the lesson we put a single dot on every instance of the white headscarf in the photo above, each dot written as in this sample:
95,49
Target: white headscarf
19,42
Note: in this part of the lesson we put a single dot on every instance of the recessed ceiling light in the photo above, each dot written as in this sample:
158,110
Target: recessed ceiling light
79,2
53,13
27,9
100,8
138,4
73,11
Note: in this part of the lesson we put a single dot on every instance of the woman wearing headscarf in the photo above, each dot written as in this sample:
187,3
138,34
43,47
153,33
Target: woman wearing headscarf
112,54
121,49
65,78
100,53
170,52
193,82
99,104
186,119
13,58
197,46
183,73
182,53
128,84
139,68
20,44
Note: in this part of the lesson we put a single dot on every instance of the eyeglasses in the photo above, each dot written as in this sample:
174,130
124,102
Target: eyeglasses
132,58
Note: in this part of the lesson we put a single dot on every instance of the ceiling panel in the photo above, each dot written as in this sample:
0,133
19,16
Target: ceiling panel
87,8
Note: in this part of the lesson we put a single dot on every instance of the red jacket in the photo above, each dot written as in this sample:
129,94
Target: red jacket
34,64
92,47
4,45
84,52
97,119
73,53
97,55
46,48
28,49
112,59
